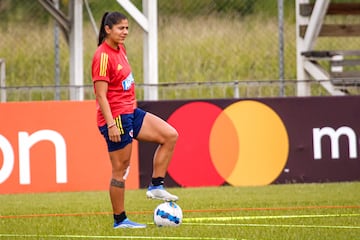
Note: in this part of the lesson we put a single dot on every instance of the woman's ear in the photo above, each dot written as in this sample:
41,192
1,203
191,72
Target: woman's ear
107,29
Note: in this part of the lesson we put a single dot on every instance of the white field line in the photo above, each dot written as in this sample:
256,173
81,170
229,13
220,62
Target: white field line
228,221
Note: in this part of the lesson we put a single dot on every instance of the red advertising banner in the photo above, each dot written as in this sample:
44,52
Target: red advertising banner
54,146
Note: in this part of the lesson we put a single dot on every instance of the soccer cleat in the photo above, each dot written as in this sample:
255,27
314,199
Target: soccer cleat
159,192
128,224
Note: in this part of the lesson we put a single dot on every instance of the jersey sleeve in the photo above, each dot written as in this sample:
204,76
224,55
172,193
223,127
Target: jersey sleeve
100,67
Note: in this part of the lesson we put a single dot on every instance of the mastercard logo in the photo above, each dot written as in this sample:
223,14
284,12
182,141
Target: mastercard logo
245,144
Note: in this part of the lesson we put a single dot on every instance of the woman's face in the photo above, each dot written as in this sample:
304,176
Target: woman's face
118,33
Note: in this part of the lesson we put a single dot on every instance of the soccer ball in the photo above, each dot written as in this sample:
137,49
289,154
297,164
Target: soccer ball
168,214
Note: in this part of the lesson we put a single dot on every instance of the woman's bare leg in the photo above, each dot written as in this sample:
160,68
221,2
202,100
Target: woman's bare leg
156,130
120,160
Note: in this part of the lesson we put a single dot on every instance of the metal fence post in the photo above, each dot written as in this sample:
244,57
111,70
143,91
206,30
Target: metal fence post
2,81
236,89
281,45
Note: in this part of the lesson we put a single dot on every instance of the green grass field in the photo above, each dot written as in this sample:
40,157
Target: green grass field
291,211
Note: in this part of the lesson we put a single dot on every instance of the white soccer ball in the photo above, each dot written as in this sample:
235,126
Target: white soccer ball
168,214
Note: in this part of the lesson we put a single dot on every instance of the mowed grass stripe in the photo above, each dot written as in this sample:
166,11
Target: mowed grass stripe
108,237
184,210
221,219
273,225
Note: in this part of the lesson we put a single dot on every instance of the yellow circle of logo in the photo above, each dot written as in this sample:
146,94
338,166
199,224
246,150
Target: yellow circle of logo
256,147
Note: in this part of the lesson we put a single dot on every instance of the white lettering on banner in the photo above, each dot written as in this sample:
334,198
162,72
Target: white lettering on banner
334,138
8,159
26,141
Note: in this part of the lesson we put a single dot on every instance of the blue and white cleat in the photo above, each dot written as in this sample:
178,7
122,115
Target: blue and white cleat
159,192
128,224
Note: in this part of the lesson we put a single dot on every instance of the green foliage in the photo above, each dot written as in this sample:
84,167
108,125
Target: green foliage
17,11
205,7
199,41
229,56
244,7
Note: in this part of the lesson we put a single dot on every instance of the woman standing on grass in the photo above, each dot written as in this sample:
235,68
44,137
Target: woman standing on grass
119,120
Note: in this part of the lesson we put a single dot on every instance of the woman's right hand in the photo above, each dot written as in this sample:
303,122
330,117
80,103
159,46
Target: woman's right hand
114,134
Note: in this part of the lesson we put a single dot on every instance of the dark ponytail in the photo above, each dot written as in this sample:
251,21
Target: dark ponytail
102,33
109,19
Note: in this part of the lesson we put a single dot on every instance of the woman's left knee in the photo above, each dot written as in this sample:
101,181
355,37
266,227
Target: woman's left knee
173,135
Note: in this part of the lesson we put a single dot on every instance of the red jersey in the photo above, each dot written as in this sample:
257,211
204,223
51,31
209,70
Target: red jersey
112,66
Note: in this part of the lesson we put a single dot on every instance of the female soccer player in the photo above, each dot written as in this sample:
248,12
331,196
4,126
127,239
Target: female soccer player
119,120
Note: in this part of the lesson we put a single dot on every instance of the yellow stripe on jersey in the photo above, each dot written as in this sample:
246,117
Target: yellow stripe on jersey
119,124
103,64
